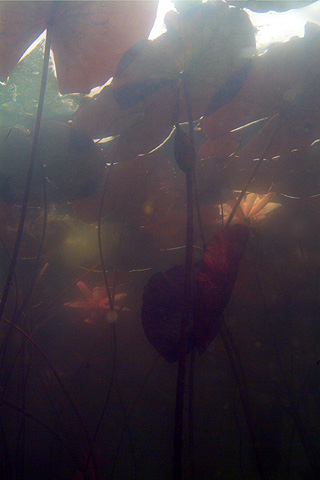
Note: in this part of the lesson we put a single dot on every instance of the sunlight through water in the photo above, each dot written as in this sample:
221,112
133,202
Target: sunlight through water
272,26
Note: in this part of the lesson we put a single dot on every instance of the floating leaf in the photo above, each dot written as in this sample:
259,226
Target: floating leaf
291,92
73,164
162,310
212,284
209,46
216,280
285,80
220,148
88,40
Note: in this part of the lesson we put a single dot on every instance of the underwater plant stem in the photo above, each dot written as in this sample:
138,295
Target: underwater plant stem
301,426
239,376
106,402
35,140
253,173
27,298
126,418
130,412
190,416
185,322
55,374
305,436
40,249
37,421
20,454
198,211
191,136
187,312
59,295
106,184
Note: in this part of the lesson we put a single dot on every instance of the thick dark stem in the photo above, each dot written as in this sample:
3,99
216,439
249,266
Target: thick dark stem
190,417
185,322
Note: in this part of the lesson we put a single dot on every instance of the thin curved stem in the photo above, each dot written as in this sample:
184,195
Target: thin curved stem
106,402
254,171
190,416
129,414
37,421
55,374
234,359
110,297
59,295
40,249
32,159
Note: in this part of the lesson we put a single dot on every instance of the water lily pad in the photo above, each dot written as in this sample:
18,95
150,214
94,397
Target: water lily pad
212,284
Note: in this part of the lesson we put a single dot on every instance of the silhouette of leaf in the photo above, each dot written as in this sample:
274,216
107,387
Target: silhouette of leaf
89,38
212,284
285,80
215,282
209,46
267,5
74,165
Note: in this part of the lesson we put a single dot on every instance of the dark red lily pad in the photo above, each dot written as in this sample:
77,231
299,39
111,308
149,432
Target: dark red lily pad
212,283
215,282
162,310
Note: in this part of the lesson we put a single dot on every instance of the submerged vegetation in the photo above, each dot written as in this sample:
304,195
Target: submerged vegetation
160,250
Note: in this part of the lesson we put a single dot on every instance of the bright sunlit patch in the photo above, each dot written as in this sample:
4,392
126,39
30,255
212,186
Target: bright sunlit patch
281,26
96,90
159,27
272,26
252,207
103,140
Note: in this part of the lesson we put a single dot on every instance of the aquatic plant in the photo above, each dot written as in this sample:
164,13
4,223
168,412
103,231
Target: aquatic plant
96,304
189,129
253,207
